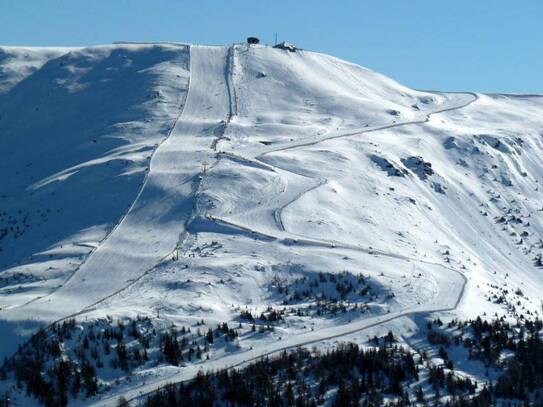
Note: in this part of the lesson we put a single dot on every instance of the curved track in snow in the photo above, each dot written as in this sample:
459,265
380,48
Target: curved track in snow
321,182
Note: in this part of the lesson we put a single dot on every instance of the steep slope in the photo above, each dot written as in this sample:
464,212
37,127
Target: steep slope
98,111
81,126
291,184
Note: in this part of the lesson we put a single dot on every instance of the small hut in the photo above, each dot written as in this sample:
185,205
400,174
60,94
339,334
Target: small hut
252,40
286,46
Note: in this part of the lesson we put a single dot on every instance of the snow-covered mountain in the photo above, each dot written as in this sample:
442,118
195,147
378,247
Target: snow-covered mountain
187,183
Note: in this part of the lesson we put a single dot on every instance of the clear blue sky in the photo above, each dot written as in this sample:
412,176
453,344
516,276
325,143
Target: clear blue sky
482,45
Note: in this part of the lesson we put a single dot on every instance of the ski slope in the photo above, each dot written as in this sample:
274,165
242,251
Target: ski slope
211,171
155,222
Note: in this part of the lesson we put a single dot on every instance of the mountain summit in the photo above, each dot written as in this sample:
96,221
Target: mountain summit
300,196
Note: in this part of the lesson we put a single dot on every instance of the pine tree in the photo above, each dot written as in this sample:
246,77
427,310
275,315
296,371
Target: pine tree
209,336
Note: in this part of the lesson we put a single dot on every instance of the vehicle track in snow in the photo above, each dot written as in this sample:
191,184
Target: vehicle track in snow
321,182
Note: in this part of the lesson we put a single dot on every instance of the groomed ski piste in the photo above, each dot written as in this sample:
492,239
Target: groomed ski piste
179,182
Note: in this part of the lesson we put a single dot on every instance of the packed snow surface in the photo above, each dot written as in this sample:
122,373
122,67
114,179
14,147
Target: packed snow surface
183,182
